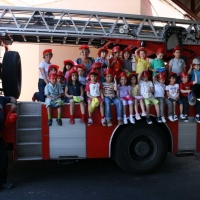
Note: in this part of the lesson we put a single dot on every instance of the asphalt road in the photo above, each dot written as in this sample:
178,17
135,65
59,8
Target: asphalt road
102,179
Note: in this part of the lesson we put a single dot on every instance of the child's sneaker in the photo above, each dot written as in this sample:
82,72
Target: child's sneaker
59,121
143,114
186,118
90,122
137,116
120,122
148,119
49,122
132,120
197,119
125,120
163,119
175,117
171,118
182,116
109,123
158,119
72,121
103,122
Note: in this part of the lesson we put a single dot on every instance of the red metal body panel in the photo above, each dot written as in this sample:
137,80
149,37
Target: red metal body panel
45,134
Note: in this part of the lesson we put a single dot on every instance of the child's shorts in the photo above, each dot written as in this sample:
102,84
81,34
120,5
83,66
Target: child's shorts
126,102
99,98
55,104
138,97
148,101
178,102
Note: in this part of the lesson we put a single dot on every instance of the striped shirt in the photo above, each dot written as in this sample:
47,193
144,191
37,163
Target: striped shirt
109,89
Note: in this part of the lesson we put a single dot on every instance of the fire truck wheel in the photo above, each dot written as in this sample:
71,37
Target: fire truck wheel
11,74
141,149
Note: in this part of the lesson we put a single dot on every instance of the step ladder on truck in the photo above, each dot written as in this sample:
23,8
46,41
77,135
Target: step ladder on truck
137,148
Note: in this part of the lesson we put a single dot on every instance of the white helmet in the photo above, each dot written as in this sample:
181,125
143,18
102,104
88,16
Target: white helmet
196,61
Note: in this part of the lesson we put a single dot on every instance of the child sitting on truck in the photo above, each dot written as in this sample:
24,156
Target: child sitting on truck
94,91
109,91
146,90
74,94
186,89
173,95
196,87
53,92
135,92
124,93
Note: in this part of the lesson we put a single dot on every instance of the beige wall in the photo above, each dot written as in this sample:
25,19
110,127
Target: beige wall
31,54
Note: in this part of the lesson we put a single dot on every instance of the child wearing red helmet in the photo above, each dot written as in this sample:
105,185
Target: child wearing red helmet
109,91
135,91
177,65
126,55
115,62
186,88
74,92
159,93
68,64
141,60
102,53
158,63
196,88
94,90
146,90
173,95
124,93
61,80
53,92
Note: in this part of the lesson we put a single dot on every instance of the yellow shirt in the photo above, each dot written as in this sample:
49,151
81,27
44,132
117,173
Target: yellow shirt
141,64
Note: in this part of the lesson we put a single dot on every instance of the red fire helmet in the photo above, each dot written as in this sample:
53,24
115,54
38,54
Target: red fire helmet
116,49
161,75
183,74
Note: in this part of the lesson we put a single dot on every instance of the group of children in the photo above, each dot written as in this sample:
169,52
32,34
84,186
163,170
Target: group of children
113,81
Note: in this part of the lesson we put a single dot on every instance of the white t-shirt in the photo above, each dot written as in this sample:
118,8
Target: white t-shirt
159,89
94,88
145,86
173,90
45,66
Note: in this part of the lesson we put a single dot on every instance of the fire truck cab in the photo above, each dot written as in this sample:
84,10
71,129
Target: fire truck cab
137,148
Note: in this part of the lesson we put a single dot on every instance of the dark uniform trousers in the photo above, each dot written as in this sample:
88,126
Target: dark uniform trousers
3,161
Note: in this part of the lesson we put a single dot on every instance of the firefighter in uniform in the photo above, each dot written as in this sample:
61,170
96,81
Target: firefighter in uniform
3,151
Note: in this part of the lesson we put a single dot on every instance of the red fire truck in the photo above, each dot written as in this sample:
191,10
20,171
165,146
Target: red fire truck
136,148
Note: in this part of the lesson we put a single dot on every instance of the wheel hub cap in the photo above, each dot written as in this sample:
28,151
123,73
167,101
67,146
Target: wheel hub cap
142,148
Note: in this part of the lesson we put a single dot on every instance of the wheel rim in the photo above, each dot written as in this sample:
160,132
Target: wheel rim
142,149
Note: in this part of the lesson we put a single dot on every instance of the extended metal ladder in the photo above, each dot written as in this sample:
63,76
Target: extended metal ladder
24,24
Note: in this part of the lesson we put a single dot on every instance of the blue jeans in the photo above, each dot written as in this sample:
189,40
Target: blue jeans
40,95
118,105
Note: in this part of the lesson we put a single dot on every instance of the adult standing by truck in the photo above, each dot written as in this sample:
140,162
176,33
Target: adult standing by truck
3,151
43,81
84,58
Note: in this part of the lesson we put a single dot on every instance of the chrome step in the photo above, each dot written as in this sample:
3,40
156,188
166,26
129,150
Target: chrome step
30,158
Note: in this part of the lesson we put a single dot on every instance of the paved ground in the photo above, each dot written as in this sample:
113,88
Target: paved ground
102,179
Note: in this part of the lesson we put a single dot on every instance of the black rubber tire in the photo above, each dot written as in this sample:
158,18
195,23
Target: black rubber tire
149,138
11,74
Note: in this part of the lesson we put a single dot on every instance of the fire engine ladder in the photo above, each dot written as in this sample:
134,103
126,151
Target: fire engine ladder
42,25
